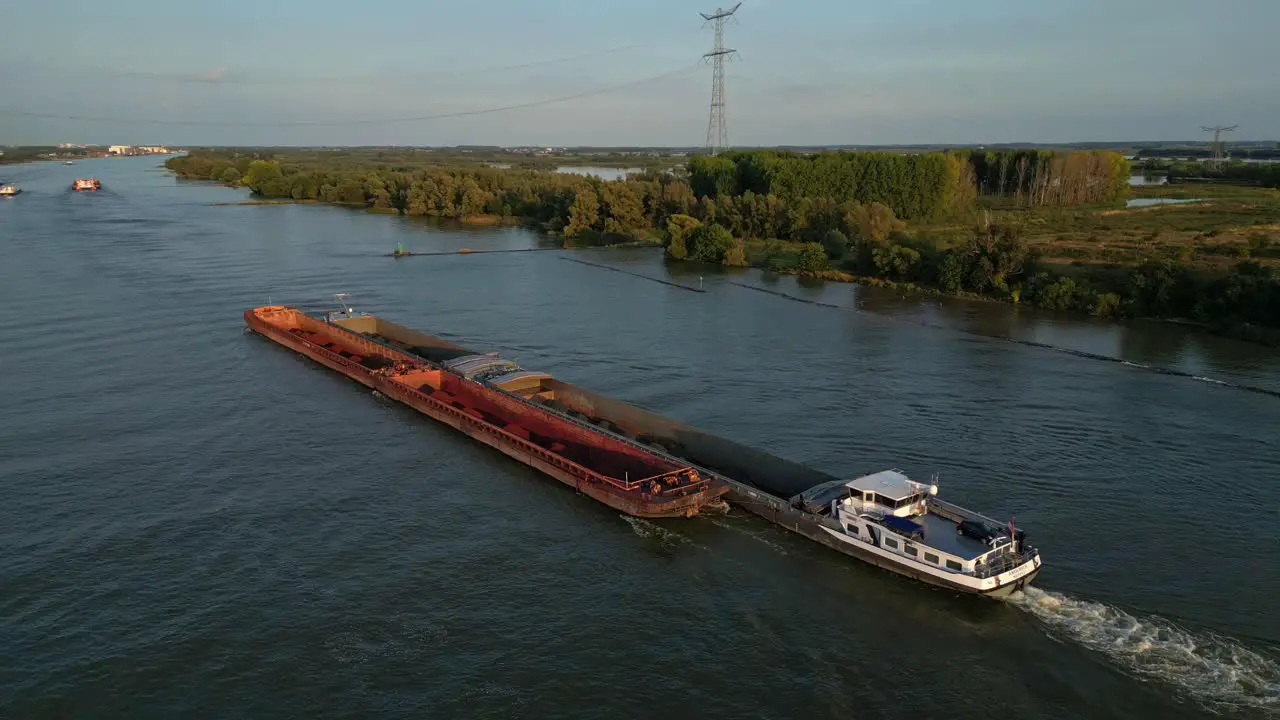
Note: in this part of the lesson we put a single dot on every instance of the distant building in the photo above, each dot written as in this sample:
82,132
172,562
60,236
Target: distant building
137,150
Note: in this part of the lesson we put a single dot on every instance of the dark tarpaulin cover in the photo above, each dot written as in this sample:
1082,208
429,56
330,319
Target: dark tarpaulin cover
903,524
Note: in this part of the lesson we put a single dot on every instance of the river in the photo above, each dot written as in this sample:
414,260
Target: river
195,522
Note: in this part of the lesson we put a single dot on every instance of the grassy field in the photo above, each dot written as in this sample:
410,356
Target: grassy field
1226,224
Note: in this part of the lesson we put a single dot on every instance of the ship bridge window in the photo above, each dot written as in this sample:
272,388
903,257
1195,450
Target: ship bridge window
931,557
891,543
853,529
891,502
953,565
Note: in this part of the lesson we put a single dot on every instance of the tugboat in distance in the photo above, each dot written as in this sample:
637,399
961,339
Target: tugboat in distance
86,185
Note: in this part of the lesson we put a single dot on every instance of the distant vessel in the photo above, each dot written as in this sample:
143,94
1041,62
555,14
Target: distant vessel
9,190
86,184
68,163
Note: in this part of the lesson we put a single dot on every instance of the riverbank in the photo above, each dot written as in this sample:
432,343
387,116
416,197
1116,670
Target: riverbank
1258,335
1209,265
1213,262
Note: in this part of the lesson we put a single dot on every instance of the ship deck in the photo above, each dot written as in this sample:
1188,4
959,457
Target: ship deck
761,470
546,431
940,533
373,362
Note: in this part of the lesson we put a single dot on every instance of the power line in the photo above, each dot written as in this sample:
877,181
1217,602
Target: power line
717,129
364,121
1218,146
223,76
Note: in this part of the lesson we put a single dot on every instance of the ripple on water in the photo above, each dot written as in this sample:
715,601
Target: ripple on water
200,522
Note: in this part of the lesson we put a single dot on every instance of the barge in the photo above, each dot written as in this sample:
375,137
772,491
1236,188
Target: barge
629,479
884,518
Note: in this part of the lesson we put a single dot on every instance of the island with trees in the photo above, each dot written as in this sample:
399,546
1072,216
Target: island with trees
1047,228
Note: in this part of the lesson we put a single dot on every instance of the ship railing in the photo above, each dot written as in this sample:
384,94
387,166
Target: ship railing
680,482
705,474
949,510
531,448
1004,562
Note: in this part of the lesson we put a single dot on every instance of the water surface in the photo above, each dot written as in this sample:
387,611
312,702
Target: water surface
194,521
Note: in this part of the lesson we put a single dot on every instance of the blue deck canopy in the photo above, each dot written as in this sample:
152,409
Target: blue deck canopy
901,524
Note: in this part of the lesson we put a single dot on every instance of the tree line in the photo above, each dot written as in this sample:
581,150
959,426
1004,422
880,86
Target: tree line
913,186
735,225
918,186
580,207
1038,178
1264,174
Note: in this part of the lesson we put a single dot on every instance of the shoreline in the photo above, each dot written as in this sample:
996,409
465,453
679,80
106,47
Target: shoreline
1249,334
1252,335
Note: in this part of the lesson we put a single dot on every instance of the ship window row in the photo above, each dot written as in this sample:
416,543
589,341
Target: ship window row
890,502
930,557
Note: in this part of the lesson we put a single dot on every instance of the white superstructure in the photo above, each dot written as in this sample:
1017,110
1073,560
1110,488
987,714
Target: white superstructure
901,523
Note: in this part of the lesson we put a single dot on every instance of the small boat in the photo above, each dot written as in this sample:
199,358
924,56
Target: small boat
69,162
9,190
86,184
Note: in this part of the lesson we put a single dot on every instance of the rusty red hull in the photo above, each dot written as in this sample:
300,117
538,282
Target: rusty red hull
597,465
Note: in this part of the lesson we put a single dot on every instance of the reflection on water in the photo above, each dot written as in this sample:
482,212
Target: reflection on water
604,173
1148,202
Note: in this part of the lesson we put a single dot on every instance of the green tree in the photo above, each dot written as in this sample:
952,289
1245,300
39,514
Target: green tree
812,258
585,212
874,222
736,255
709,243
952,271
895,261
624,211
676,237
836,244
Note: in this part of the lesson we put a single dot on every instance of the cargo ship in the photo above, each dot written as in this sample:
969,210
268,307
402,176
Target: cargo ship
883,518
86,184
627,478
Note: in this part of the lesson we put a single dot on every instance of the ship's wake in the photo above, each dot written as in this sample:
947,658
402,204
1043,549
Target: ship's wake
1219,672
657,534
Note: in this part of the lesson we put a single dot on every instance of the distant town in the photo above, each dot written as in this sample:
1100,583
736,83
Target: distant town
114,150
76,151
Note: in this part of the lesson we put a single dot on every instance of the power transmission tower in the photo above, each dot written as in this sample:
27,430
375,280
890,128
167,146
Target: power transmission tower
717,130
1219,147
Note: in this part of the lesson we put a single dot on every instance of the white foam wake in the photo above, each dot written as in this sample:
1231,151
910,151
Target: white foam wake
1219,672
652,531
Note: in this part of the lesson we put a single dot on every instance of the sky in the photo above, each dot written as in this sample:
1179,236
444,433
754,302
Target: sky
604,72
